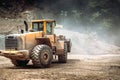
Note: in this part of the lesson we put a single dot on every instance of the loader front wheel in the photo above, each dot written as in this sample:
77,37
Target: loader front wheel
42,56
20,62
63,58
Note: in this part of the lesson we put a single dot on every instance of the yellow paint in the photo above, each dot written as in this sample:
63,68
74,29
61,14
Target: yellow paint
30,39
44,20
52,39
45,27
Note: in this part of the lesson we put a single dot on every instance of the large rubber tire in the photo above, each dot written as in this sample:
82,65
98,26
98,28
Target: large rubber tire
20,62
63,58
42,56
68,46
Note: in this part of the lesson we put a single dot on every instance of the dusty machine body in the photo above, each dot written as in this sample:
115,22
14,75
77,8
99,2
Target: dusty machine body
37,43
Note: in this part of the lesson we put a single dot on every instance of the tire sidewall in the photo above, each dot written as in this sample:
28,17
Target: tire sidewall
46,50
37,56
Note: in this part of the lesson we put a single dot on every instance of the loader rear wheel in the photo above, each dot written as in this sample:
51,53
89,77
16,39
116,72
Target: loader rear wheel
42,56
63,58
20,62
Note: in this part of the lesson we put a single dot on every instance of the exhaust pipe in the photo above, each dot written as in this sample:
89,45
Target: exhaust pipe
26,26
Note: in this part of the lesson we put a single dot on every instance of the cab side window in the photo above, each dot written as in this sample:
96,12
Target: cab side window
35,26
41,26
38,26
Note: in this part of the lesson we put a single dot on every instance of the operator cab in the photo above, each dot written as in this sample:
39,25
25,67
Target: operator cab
43,25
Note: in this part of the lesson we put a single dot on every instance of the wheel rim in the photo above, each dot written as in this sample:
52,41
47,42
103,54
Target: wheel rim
45,57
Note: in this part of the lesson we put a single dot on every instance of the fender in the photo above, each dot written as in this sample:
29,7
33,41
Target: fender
45,41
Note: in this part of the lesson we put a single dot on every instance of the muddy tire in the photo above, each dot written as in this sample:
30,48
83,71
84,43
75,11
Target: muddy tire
42,56
20,62
63,58
69,44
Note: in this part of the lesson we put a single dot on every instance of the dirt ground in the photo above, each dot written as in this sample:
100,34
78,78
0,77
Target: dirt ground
78,67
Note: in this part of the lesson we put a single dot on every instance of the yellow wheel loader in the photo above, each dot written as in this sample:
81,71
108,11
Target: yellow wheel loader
37,43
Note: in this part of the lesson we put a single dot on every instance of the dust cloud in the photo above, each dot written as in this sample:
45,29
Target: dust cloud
88,43
2,42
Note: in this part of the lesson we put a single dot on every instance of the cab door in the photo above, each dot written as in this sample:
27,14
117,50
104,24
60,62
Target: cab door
50,32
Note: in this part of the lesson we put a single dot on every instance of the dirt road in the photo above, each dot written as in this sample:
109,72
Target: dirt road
79,67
